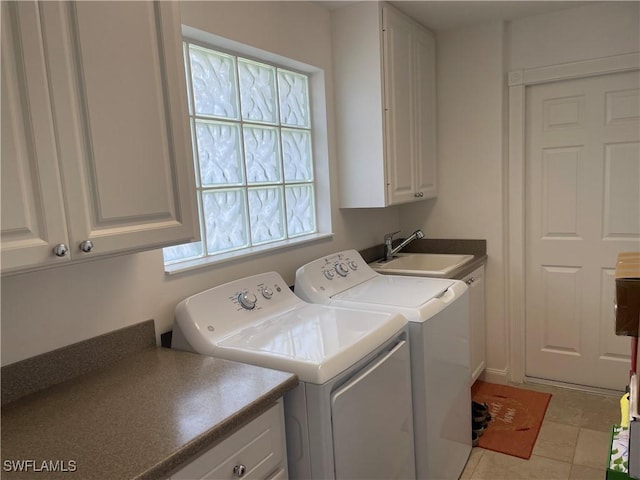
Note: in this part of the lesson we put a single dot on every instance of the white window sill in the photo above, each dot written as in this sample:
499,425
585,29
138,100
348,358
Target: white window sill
199,263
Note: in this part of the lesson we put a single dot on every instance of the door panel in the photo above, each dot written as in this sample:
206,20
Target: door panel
33,218
621,195
398,88
121,119
582,209
425,113
372,420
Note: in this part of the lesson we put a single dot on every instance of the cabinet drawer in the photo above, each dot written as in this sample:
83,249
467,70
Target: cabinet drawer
257,449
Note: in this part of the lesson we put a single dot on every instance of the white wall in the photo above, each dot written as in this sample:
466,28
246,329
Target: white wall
472,66
45,310
581,33
470,173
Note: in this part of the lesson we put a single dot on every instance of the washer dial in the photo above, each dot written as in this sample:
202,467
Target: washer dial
247,300
341,269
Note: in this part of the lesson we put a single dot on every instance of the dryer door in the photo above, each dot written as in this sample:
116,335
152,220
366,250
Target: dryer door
372,420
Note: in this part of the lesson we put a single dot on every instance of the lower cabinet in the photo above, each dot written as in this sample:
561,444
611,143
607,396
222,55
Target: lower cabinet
255,451
477,335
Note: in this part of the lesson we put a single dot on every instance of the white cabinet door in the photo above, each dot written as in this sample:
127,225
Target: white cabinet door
119,105
255,451
399,106
477,333
425,184
33,219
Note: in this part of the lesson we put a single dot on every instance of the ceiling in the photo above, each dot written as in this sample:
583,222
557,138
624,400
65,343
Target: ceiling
445,15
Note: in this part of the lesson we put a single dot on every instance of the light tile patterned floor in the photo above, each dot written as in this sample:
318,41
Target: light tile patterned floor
573,442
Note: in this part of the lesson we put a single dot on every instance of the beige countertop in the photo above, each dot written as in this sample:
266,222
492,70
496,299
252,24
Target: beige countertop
137,418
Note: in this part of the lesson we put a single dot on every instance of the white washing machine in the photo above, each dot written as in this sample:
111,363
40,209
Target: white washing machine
438,314
351,414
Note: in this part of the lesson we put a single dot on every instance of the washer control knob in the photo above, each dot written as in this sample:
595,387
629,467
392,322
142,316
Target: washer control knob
247,300
329,274
267,293
353,265
342,269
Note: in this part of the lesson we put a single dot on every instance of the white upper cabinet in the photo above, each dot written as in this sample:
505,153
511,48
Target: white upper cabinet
385,104
96,149
33,219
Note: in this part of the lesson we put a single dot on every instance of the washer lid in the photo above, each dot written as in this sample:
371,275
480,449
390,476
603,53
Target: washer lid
316,342
396,290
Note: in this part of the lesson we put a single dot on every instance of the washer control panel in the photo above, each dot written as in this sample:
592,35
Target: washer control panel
339,265
323,278
250,297
226,308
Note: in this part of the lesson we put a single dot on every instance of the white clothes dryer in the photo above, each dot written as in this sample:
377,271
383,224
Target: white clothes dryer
438,314
351,414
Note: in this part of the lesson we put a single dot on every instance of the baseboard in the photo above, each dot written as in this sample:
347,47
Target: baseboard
571,386
493,375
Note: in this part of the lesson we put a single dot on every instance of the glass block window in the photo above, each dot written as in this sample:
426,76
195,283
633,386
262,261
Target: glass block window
252,141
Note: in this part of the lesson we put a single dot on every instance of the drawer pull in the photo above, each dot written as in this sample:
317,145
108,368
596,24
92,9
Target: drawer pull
239,470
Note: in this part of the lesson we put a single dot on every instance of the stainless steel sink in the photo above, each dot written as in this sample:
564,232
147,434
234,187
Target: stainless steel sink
422,264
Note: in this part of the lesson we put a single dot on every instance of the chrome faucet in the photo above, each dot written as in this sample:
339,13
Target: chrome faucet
389,251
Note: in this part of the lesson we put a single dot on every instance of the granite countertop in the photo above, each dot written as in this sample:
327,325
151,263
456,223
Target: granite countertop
140,417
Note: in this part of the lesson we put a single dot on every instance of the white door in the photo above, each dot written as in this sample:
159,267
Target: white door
582,208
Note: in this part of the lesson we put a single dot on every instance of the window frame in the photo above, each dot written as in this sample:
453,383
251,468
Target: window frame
319,149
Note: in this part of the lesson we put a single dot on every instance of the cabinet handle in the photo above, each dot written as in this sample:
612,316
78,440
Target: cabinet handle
470,281
86,246
418,194
240,470
60,250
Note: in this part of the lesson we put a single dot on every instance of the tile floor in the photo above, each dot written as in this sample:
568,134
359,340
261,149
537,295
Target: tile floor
573,442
